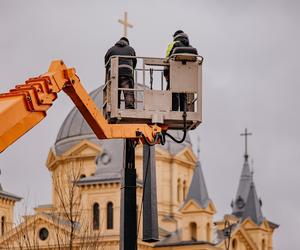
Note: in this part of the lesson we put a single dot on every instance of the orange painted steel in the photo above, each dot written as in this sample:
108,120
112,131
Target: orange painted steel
26,105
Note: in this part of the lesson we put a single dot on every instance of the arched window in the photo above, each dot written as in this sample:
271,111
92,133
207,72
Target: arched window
96,216
184,190
234,244
110,215
208,232
178,190
2,225
193,231
263,244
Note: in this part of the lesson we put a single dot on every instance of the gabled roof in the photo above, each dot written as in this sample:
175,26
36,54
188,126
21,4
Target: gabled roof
253,207
31,222
198,191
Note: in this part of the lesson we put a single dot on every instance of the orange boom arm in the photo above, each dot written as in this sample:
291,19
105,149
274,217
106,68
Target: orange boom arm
26,105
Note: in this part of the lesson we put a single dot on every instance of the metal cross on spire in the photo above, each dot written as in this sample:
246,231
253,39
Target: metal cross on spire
125,23
246,143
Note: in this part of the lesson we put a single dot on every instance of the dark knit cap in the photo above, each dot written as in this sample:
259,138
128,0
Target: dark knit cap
125,39
178,32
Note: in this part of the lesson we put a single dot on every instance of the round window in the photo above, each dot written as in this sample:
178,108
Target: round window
44,233
105,158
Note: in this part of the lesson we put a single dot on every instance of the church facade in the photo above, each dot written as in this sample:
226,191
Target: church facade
84,212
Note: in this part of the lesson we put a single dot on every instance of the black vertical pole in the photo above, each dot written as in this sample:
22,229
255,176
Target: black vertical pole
128,226
150,219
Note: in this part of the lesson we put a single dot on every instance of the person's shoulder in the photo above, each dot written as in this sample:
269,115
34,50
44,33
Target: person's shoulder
131,49
110,50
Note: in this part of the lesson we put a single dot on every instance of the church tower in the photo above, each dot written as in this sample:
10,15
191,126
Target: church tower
247,208
7,204
197,210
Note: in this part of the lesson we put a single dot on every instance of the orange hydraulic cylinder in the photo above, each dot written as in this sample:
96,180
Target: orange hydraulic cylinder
15,119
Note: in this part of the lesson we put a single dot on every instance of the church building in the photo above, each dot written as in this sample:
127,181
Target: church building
84,212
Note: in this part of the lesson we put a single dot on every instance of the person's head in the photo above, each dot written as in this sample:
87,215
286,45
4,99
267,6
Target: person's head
125,39
177,33
182,37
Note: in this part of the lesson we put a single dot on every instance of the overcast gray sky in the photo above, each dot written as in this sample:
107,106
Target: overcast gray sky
251,79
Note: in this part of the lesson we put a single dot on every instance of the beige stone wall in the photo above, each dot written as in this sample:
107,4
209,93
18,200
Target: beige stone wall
6,212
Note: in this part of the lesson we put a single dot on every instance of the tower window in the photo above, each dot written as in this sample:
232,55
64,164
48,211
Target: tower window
96,216
193,231
2,225
263,244
178,190
184,190
208,232
110,215
234,244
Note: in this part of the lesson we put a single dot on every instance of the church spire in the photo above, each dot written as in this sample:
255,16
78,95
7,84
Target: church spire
253,207
198,191
238,205
246,203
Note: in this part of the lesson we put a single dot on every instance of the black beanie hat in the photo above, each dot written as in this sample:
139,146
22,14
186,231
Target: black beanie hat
178,32
125,39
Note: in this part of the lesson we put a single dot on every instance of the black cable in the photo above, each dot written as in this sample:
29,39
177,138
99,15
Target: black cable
184,126
151,143
162,139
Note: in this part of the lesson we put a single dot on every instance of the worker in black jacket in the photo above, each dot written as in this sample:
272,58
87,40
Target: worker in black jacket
126,69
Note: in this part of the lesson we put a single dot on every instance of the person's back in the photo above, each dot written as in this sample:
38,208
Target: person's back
122,48
126,69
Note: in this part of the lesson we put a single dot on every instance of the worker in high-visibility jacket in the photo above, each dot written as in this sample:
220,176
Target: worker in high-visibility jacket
178,36
180,39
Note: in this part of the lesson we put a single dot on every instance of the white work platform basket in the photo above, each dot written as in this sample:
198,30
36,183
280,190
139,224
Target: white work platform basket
152,99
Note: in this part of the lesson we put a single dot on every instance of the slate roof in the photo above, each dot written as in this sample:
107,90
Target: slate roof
7,195
238,204
253,207
198,190
247,204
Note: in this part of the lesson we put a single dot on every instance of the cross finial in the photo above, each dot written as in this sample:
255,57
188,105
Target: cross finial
125,23
246,134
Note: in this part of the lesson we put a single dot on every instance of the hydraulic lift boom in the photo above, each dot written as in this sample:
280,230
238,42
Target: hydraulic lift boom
26,105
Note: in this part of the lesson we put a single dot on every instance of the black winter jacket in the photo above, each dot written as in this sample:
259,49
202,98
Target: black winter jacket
121,48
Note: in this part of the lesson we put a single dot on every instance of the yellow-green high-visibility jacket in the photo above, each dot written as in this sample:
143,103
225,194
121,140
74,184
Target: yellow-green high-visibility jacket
169,48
